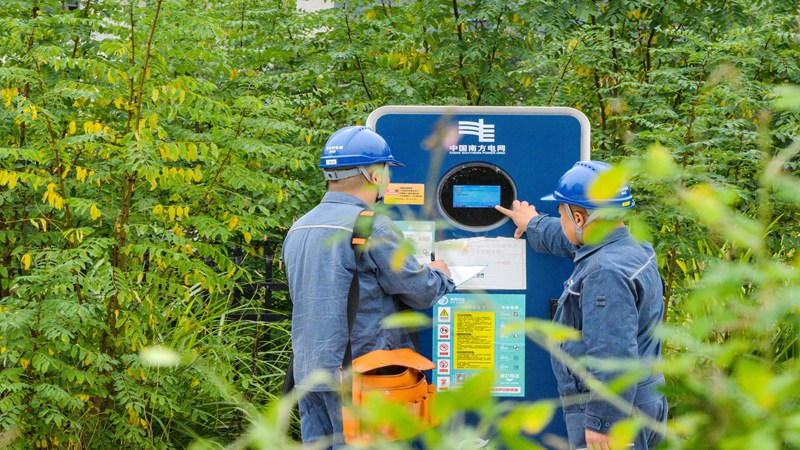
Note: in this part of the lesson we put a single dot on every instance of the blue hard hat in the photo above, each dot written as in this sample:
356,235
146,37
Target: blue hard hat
356,146
573,186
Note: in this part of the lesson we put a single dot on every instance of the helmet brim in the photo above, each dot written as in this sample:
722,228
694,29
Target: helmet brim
549,198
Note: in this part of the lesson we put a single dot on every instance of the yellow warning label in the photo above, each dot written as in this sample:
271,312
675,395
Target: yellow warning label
404,194
474,340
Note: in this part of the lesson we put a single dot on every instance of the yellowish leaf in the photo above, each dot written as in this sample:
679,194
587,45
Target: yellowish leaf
72,127
607,185
622,434
94,212
233,223
399,256
26,261
247,236
681,264
191,151
24,362
172,212
154,96
659,162
536,416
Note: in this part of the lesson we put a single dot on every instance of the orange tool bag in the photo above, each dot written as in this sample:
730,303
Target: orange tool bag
394,375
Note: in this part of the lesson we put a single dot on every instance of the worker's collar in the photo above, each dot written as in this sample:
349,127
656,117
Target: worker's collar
615,235
341,197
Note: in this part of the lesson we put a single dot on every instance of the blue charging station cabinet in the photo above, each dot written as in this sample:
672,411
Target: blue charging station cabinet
460,162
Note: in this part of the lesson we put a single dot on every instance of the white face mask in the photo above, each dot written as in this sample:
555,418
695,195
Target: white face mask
384,184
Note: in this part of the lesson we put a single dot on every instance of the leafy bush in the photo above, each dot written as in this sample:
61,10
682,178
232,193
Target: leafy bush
150,151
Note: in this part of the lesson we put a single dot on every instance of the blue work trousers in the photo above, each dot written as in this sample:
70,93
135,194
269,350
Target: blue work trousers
645,440
321,418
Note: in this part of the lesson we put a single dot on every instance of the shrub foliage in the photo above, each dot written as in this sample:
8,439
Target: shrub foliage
151,151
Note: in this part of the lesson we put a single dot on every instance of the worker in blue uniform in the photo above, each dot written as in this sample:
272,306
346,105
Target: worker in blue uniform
614,297
319,267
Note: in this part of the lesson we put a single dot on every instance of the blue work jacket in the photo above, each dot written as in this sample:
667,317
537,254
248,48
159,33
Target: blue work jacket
320,263
614,297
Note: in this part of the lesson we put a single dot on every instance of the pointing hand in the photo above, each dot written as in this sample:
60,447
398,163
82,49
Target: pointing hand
521,213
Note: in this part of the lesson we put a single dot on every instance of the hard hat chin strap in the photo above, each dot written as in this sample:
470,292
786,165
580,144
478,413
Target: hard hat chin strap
382,185
579,229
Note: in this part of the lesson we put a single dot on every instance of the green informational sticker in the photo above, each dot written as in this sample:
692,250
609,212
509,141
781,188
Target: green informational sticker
469,337
421,234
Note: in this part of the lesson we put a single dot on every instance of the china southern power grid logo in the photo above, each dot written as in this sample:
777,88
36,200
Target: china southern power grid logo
484,131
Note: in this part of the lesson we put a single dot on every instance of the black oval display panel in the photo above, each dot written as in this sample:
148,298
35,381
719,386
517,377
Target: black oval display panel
469,192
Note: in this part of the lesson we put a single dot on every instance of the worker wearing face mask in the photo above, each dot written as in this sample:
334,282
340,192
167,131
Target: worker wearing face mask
320,264
613,297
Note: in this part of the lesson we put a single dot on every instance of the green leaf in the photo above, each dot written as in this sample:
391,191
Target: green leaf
406,319
787,97
659,163
550,330
158,356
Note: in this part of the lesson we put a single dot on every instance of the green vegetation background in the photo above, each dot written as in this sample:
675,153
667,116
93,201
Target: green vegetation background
151,151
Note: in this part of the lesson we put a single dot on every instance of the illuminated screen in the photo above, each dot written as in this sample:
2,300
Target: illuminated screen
469,196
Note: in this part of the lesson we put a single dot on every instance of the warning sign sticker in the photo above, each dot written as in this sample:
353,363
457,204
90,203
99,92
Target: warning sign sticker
474,340
404,194
471,336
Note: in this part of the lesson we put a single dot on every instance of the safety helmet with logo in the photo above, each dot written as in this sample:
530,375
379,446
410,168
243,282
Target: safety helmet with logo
355,147
573,188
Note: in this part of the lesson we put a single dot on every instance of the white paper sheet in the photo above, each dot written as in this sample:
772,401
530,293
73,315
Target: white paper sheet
462,274
504,258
